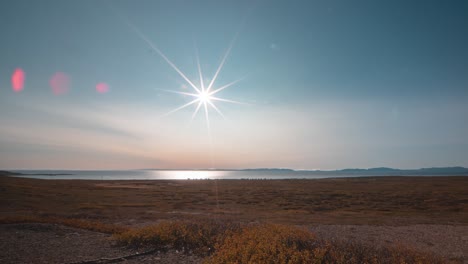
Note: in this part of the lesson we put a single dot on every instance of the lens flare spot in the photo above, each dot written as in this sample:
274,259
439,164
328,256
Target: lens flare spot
102,87
59,83
17,80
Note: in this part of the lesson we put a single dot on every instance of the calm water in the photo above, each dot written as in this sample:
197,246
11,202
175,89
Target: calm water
169,175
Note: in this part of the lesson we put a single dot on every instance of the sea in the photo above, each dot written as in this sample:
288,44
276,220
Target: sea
172,174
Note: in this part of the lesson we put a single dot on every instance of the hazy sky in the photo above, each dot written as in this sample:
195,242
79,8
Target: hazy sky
326,84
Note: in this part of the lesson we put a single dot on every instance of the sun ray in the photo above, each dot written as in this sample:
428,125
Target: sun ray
155,48
203,95
182,107
199,69
226,100
207,119
221,65
225,86
196,110
178,92
217,109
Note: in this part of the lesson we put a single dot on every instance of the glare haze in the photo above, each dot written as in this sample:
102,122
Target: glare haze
323,84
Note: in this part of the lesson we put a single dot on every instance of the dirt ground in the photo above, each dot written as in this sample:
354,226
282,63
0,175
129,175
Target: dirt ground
49,243
448,241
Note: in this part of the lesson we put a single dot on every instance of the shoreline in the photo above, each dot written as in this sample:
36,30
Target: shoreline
269,178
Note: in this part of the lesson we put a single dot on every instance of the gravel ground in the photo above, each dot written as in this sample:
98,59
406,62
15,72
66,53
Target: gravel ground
450,242
49,243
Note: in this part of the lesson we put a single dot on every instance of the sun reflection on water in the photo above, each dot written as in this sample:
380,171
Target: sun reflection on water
192,174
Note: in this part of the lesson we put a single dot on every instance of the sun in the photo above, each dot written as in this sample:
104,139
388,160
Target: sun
204,96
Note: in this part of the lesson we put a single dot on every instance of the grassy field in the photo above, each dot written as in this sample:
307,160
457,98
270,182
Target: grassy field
243,221
383,200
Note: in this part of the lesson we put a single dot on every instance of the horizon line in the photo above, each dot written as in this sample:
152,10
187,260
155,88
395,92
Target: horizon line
240,169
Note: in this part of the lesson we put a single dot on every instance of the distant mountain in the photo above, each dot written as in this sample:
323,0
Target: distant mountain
269,169
2,172
282,172
381,171
51,173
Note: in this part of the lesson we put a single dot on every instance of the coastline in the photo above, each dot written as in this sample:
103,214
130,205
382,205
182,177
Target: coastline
247,174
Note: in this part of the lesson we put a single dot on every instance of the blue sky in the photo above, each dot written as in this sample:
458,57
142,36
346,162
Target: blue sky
326,84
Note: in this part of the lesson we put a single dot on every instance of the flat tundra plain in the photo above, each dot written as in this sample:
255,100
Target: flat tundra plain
426,213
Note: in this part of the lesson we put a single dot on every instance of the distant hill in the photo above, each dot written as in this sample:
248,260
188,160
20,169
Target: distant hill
382,171
2,172
268,169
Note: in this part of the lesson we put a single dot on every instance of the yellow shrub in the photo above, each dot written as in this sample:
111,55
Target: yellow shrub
269,243
198,236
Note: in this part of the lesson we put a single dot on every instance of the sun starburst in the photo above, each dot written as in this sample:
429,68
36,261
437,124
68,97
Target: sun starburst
204,96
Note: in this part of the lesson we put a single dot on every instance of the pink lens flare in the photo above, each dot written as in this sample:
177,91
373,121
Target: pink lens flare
59,83
17,80
102,87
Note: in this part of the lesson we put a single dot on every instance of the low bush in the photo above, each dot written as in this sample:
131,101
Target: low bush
226,242
194,236
271,243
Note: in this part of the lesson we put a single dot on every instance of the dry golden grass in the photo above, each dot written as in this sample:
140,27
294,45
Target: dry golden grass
189,236
268,244
272,243
262,243
205,206
384,200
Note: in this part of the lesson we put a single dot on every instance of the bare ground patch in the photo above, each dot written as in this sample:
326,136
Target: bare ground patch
450,242
50,243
